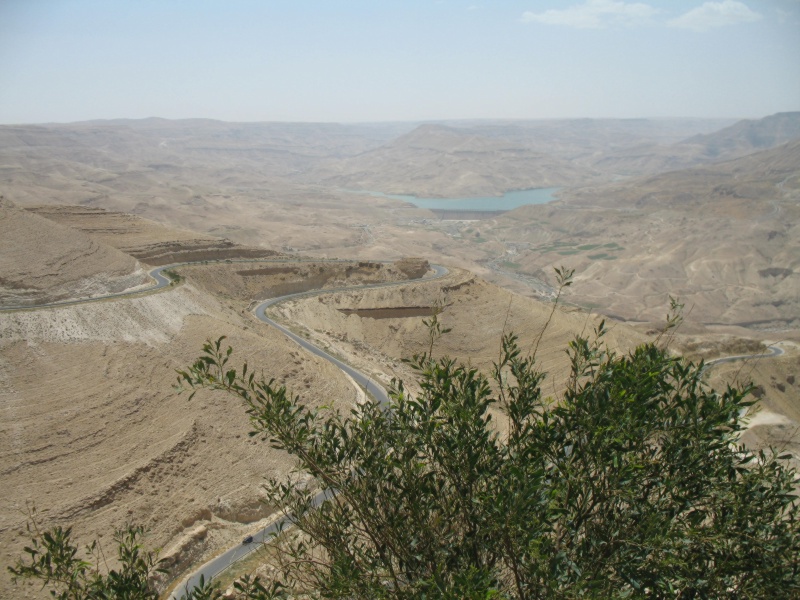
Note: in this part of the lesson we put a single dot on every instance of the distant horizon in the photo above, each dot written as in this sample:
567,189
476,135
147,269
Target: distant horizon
397,61
406,121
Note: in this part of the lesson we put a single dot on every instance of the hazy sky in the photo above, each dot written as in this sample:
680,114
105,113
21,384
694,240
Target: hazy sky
381,60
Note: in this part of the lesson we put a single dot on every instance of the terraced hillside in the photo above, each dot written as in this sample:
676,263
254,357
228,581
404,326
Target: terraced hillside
42,261
146,240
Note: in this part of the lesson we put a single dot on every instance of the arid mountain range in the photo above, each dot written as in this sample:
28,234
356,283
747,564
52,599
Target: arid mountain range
93,433
629,183
722,237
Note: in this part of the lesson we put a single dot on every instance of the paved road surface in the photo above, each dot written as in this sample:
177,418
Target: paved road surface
214,567
162,281
772,352
217,565
222,562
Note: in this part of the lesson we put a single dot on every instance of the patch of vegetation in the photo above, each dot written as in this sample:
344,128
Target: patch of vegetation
633,485
510,265
775,272
52,559
174,277
602,256
553,246
570,248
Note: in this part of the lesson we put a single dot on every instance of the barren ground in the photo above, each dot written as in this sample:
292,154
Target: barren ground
93,433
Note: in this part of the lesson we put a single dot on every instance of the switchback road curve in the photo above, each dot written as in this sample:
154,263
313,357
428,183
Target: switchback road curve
215,566
220,563
162,281
772,351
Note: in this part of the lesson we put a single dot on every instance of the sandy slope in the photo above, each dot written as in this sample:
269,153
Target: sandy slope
775,422
94,435
42,261
91,429
476,311
723,236
146,240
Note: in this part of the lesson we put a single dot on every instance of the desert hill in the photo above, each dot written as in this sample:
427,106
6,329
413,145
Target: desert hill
42,261
737,140
227,179
149,140
157,166
93,432
753,179
169,169
377,328
748,136
275,186
435,160
488,158
96,437
724,238
146,240
776,420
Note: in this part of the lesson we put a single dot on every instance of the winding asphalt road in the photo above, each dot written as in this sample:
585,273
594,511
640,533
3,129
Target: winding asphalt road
215,566
218,564
162,281
773,351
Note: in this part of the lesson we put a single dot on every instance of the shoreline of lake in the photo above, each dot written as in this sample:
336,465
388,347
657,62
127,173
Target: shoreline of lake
508,201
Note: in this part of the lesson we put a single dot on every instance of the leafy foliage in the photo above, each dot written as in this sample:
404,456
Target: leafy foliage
52,559
633,485
174,277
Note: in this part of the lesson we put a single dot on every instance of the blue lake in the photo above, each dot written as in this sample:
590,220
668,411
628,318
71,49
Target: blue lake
507,201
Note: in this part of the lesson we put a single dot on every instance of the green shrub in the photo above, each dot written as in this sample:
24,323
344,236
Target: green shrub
633,485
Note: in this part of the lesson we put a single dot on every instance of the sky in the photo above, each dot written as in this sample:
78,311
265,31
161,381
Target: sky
396,60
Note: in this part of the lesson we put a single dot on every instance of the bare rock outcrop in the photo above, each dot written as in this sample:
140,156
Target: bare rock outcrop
412,268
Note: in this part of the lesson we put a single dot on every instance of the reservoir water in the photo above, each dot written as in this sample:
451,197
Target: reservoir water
507,201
